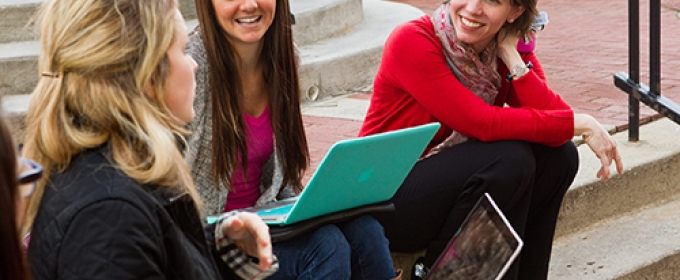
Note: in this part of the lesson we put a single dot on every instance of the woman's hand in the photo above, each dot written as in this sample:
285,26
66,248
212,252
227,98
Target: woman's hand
600,142
507,41
507,48
251,236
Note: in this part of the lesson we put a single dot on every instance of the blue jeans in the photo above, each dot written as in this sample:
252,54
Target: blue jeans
356,249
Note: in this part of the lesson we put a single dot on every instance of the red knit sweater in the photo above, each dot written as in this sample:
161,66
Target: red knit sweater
414,86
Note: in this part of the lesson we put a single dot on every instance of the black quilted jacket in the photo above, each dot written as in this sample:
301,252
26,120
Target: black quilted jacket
97,223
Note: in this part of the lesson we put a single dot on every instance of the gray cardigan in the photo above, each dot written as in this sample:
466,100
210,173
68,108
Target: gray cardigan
199,154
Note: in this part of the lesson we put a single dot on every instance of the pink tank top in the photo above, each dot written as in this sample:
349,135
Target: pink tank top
260,147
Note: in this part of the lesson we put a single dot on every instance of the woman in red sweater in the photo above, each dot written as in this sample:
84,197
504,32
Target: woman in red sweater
504,131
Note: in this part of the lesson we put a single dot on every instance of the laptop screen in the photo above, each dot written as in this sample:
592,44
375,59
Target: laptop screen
484,247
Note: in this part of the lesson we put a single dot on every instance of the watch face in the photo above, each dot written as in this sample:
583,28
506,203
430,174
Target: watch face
519,70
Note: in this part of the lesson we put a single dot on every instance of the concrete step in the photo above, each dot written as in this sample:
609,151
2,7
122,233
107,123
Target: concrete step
15,108
19,65
348,62
652,176
16,18
640,245
317,20
624,228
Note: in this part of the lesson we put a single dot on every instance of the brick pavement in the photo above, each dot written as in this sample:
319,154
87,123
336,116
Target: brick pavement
583,45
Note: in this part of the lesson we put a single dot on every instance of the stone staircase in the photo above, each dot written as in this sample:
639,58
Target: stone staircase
340,44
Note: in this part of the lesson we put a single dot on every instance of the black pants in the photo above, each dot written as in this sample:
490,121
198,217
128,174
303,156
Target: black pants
527,181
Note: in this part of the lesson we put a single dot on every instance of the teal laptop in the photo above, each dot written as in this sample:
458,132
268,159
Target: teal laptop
354,173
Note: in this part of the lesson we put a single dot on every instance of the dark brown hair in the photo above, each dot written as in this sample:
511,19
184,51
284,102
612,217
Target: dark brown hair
12,265
283,89
523,23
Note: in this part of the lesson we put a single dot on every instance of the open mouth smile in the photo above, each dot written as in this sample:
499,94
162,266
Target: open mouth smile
468,23
249,20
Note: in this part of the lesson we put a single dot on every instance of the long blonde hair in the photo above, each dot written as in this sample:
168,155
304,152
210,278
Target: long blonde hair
97,57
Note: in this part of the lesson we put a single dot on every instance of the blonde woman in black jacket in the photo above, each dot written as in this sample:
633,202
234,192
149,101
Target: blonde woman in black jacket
106,122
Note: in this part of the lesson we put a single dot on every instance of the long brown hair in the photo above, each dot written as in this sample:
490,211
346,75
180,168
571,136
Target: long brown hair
12,265
98,93
283,89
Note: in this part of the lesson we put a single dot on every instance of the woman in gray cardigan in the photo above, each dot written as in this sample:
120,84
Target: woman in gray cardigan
249,145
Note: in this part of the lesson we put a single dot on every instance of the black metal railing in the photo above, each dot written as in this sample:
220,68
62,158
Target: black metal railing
630,83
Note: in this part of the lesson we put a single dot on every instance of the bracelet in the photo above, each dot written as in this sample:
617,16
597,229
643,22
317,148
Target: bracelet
519,71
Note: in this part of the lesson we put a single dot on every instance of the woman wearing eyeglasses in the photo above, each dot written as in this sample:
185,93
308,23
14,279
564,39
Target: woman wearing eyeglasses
14,189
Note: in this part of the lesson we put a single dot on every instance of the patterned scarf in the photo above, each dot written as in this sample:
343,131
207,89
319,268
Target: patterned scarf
476,72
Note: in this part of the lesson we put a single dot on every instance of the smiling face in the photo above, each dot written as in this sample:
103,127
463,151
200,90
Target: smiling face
245,21
478,21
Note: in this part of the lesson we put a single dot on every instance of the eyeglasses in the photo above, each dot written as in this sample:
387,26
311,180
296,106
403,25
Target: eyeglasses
29,178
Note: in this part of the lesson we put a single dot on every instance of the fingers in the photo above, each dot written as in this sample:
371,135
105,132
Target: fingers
507,41
255,227
264,249
605,149
612,155
233,228
619,162
264,246
604,172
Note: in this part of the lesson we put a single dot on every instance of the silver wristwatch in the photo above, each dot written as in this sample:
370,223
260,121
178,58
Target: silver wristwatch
519,70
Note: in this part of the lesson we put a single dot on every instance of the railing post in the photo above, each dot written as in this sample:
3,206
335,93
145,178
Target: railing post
655,48
634,69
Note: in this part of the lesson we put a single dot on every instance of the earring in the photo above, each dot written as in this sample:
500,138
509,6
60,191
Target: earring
511,20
